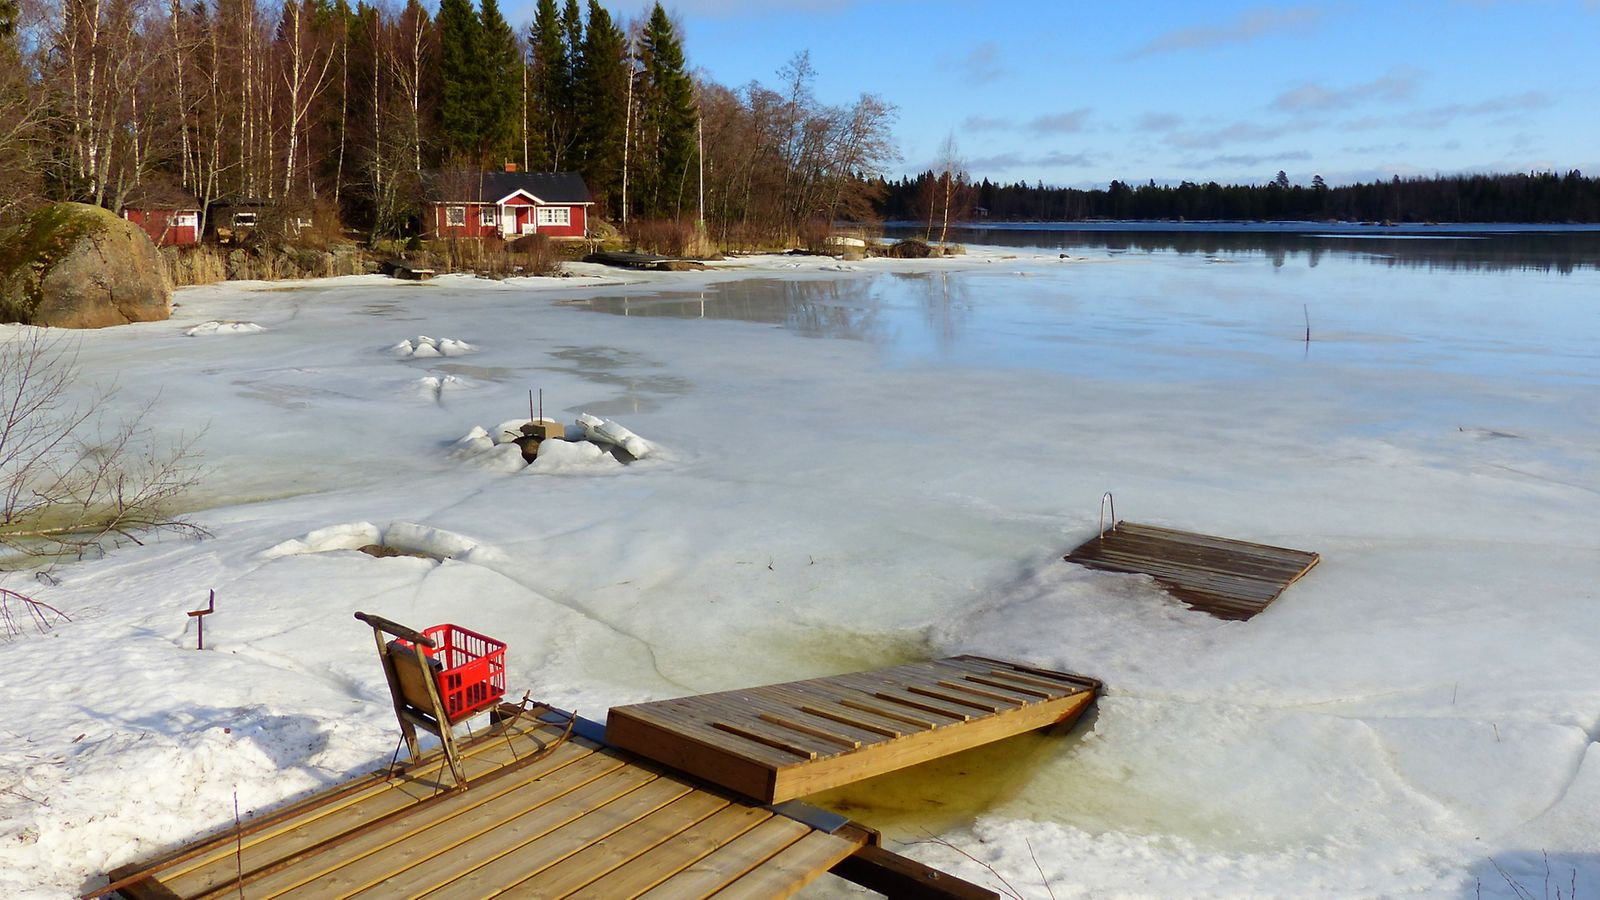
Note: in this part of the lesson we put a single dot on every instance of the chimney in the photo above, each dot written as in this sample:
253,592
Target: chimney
511,167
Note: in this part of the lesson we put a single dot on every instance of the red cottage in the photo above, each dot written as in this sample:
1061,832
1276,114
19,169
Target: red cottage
171,217
506,204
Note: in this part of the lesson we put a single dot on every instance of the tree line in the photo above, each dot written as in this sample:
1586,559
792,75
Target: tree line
320,106
1545,197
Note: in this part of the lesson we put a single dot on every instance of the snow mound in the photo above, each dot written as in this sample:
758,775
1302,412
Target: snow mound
434,387
605,431
407,536
573,458
216,327
424,347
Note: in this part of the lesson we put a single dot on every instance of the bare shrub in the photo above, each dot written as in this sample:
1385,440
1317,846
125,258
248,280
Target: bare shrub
910,248
534,254
668,237
72,479
816,236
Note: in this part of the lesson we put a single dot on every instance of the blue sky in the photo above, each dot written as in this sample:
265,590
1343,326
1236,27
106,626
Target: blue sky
1080,93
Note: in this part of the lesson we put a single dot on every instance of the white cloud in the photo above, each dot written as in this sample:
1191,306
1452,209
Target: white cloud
1245,27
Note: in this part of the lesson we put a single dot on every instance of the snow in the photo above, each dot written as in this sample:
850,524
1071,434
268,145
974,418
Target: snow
854,469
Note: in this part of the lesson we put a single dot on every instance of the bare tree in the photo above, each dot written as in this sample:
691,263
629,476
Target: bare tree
71,478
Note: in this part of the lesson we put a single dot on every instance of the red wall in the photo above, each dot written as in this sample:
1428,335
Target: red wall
159,224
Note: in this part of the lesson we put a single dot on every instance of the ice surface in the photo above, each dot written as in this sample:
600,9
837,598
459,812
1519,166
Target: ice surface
847,489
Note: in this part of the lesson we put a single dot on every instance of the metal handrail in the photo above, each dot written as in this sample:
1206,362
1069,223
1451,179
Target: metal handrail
1105,499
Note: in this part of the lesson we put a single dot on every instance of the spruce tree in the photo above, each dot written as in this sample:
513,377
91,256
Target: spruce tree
460,79
602,76
667,117
551,85
500,70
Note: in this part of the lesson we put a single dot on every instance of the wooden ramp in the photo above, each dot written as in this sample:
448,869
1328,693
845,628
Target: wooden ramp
782,741
1226,578
542,817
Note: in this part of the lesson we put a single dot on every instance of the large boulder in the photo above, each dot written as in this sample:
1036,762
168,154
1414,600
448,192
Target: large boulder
69,265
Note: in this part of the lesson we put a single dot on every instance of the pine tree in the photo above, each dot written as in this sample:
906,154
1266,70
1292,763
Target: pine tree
602,74
460,67
667,118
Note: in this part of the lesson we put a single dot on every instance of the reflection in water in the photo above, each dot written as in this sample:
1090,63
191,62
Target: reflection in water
841,308
866,309
1562,252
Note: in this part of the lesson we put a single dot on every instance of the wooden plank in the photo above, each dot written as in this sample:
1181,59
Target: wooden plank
637,838
480,877
222,867
791,723
1240,554
751,734
1194,537
790,869
420,780
656,865
567,771
713,872
1184,575
986,701
912,749
628,728
893,875
437,856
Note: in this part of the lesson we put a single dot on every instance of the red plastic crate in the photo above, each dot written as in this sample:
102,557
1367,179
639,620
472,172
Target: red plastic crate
473,669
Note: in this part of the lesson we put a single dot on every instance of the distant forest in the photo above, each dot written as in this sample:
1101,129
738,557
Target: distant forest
1541,197
339,109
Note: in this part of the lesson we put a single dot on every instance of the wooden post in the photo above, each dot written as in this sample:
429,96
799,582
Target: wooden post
199,616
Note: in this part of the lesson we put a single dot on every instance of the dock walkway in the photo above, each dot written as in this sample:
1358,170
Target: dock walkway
541,817
781,741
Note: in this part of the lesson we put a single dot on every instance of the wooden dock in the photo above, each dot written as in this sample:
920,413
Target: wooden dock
644,261
781,741
542,817
1227,578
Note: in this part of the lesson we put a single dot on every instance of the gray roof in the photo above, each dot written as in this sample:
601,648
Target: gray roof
489,187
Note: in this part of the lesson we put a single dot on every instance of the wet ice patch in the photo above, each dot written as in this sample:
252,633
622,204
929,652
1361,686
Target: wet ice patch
425,347
218,327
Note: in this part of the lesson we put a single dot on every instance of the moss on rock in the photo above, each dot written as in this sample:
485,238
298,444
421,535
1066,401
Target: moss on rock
78,266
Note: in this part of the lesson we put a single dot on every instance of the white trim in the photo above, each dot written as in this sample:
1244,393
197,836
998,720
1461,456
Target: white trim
554,216
450,212
502,200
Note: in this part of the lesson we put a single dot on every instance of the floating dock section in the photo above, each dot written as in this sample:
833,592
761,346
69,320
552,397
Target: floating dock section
1227,578
781,741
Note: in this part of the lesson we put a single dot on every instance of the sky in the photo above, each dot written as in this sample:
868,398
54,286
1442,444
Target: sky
1079,93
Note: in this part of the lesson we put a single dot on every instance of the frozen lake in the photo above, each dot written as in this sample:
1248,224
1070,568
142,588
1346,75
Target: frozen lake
863,466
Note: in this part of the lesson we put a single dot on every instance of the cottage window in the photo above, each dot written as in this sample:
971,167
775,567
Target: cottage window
455,216
244,220
486,216
188,220
555,215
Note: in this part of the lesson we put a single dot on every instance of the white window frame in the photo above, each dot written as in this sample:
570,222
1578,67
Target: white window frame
244,220
487,217
455,217
186,220
555,216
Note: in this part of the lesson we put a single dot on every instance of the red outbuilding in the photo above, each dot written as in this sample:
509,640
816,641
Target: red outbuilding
507,205
171,217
